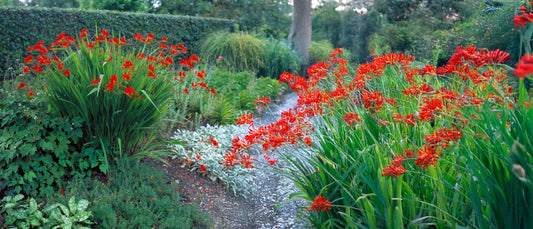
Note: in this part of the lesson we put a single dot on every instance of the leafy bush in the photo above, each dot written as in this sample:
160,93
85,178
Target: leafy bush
279,57
205,149
40,149
319,51
135,195
234,51
235,93
22,27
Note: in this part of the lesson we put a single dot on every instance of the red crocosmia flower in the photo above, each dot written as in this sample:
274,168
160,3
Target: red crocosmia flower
427,156
60,66
109,87
524,66
169,60
37,69
181,48
198,157
245,119
519,21
194,59
113,79
129,91
396,169
126,76
30,94
186,91
164,39
66,72
263,101
201,74
286,77
351,118
22,85
213,91
83,33
95,82
163,46
202,167
127,65
26,69
104,33
308,141
271,161
110,59
320,204
215,143
28,59
186,63
152,75
112,83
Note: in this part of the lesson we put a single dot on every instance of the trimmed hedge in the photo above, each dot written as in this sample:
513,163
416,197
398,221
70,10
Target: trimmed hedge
22,27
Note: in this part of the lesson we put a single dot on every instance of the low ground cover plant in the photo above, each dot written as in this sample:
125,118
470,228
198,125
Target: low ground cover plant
204,149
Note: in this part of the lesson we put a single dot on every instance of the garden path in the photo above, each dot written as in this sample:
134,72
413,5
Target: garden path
267,207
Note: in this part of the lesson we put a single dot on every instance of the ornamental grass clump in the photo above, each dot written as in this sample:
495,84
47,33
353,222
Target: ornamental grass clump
119,86
397,145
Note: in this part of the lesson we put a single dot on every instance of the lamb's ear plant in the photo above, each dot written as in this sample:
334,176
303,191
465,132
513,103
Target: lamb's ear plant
73,216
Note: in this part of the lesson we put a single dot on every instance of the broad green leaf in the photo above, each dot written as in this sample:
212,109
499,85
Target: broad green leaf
64,209
33,206
82,205
18,197
81,217
72,205
20,214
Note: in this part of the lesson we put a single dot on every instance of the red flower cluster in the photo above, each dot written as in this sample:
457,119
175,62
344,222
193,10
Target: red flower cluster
466,63
396,169
320,204
523,17
524,66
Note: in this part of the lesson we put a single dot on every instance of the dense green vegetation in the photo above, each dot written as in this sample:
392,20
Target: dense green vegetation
393,142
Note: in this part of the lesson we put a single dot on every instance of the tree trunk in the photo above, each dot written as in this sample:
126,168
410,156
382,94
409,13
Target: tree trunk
301,28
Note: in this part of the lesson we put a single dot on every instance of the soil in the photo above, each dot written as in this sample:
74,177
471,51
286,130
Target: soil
267,207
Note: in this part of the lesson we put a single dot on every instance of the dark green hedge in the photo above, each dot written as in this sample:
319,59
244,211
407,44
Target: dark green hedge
22,27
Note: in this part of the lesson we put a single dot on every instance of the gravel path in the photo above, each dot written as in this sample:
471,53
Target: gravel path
267,207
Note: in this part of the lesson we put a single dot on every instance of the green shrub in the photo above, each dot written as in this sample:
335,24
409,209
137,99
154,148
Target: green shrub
136,195
279,57
319,51
244,88
39,149
235,94
22,27
235,51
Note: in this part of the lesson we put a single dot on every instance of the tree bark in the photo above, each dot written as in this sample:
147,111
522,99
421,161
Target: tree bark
301,28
